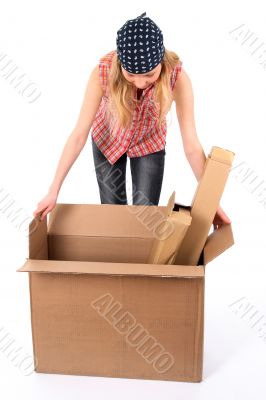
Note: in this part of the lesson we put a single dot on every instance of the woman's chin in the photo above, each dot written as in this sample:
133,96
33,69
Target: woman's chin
145,87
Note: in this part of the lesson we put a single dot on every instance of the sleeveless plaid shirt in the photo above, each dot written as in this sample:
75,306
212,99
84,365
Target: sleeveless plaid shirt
144,136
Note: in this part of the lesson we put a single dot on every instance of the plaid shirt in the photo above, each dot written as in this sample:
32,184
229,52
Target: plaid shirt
144,136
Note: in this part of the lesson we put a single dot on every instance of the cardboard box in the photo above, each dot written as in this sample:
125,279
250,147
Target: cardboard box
97,307
170,234
205,204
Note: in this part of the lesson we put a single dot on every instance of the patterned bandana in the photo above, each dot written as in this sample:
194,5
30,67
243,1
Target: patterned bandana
140,45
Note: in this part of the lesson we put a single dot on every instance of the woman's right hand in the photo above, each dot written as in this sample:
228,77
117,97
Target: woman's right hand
45,206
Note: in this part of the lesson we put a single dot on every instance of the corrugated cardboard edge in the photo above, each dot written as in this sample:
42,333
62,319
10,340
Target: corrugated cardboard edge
106,268
198,379
33,336
38,246
217,242
170,204
199,334
222,155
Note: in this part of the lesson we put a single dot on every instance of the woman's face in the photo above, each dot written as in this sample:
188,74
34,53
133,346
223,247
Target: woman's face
141,81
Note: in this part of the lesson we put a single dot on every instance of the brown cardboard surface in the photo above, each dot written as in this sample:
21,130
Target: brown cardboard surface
217,242
101,268
204,205
222,155
95,232
104,220
99,309
169,235
38,246
119,326
82,248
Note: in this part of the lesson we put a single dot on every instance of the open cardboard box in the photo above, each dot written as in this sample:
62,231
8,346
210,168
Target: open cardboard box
97,307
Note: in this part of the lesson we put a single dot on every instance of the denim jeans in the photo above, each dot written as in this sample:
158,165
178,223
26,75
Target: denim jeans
146,172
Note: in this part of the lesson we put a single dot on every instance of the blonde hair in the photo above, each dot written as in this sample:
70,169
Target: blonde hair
122,103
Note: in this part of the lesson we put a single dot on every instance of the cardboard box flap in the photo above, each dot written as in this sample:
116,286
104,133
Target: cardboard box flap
166,245
170,204
204,205
103,268
222,155
38,247
104,220
217,242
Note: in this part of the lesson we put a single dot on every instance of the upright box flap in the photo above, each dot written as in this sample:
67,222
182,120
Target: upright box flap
38,247
204,204
217,242
103,268
170,204
222,155
112,220
169,238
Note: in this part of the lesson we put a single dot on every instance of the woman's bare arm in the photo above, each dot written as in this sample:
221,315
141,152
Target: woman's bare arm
74,144
79,135
184,101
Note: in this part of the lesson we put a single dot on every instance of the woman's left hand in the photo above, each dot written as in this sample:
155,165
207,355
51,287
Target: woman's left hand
220,218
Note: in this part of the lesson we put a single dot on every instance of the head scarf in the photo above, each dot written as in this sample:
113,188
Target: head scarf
140,45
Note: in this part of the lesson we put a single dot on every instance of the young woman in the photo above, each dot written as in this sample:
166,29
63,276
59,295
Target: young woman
125,104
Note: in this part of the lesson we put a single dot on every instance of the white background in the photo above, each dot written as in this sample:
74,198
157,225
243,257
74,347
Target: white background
56,44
